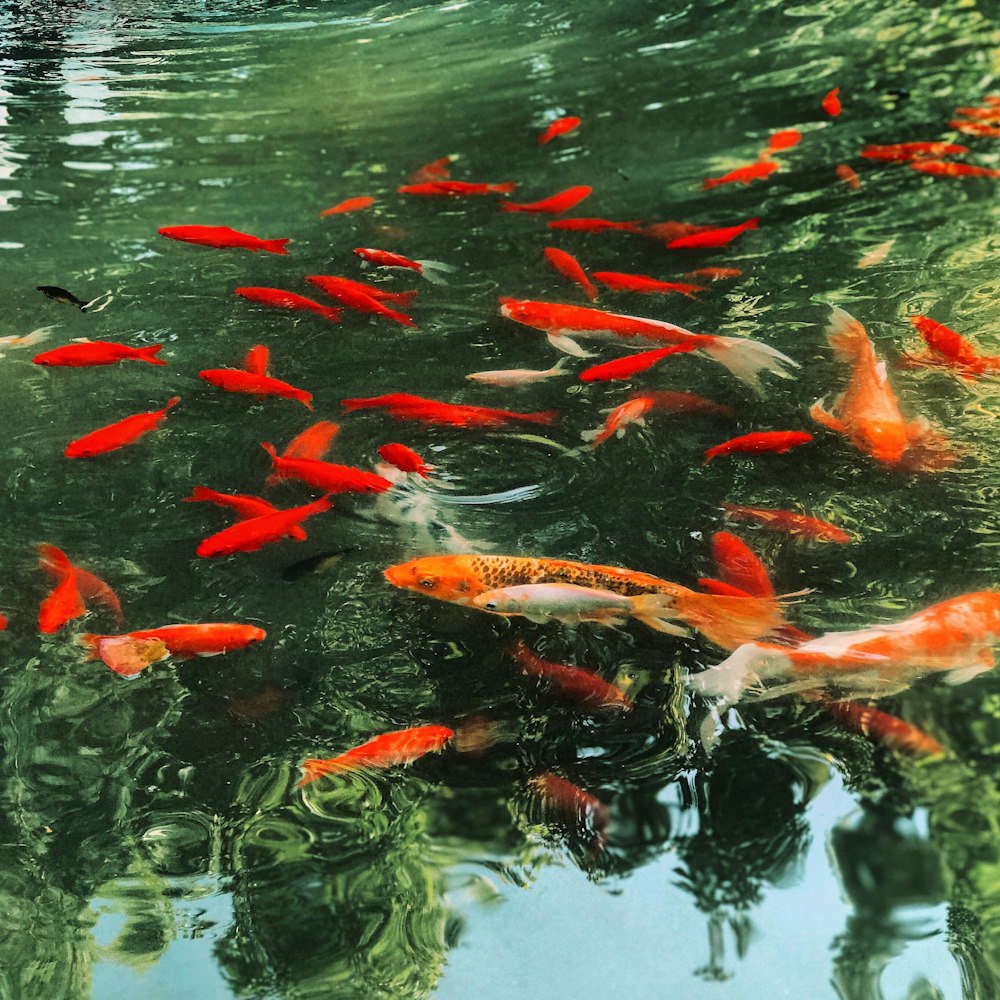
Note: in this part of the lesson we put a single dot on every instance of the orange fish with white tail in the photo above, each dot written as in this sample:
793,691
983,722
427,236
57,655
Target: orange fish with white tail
460,579
866,412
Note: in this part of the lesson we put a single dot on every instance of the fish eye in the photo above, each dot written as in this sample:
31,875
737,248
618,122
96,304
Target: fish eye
490,606
427,582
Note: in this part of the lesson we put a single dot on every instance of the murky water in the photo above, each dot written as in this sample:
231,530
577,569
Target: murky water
153,840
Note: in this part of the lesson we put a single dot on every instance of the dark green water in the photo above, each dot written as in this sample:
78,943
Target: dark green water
152,841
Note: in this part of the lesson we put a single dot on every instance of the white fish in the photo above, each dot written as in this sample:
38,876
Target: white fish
518,376
877,254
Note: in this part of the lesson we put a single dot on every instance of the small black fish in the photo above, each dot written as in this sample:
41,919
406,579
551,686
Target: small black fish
322,563
61,295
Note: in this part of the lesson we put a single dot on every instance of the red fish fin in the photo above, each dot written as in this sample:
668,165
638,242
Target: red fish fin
171,403
149,354
826,418
274,246
53,560
711,586
846,335
313,768
257,359
93,588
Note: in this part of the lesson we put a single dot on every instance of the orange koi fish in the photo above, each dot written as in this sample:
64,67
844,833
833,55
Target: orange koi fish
405,459
456,189
758,442
575,684
327,476
118,434
954,637
403,406
789,521
778,141
429,269
238,380
279,298
595,225
586,814
251,534
257,359
222,238
619,281
943,168
569,267
831,103
880,727
714,273
558,127
561,202
64,603
349,205
866,412
514,377
91,353
743,175
976,128
387,750
460,579
746,359
347,293
625,368
132,652
902,152
632,411
951,349
712,239
436,170
848,176
739,566
91,587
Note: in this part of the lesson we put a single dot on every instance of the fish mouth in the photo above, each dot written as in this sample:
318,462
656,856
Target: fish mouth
395,575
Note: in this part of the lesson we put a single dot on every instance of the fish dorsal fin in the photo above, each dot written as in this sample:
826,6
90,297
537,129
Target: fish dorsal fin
880,373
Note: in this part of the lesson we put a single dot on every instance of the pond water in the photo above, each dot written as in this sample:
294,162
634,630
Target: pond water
153,840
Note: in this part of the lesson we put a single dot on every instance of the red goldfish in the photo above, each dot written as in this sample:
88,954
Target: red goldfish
561,202
711,239
404,406
778,141
625,368
405,459
788,520
848,176
759,442
746,359
91,587
742,175
738,565
118,434
632,411
672,230
435,170
586,813
976,128
64,603
594,225
897,734
327,476
831,102
255,532
635,408
237,380
456,189
951,349
867,413
619,281
558,127
245,506
347,293
906,151
428,269
387,750
460,579
340,283
278,298
314,443
943,168
569,267
97,352
349,205
714,273
222,238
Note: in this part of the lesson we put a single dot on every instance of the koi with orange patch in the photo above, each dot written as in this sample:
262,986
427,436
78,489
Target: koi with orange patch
327,476
118,434
880,727
982,129
849,176
558,127
625,368
944,168
867,413
714,273
738,565
575,684
436,170
90,587
238,380
712,239
428,269
743,175
951,349
620,281
401,747
91,353
255,532
759,442
456,189
244,505
789,521
903,152
404,406
584,225
347,293
279,298
405,459
831,102
349,205
460,579
64,603
568,266
746,359
222,238
561,202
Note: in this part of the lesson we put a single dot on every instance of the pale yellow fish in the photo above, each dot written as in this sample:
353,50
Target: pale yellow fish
518,376
876,255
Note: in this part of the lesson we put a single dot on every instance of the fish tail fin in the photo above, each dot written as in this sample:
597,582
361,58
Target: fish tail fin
171,403
270,449
36,336
507,187
655,610
313,768
541,417
431,270
845,334
399,317
747,359
306,400
730,621
726,681
91,641
275,246
53,559
710,182
149,354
